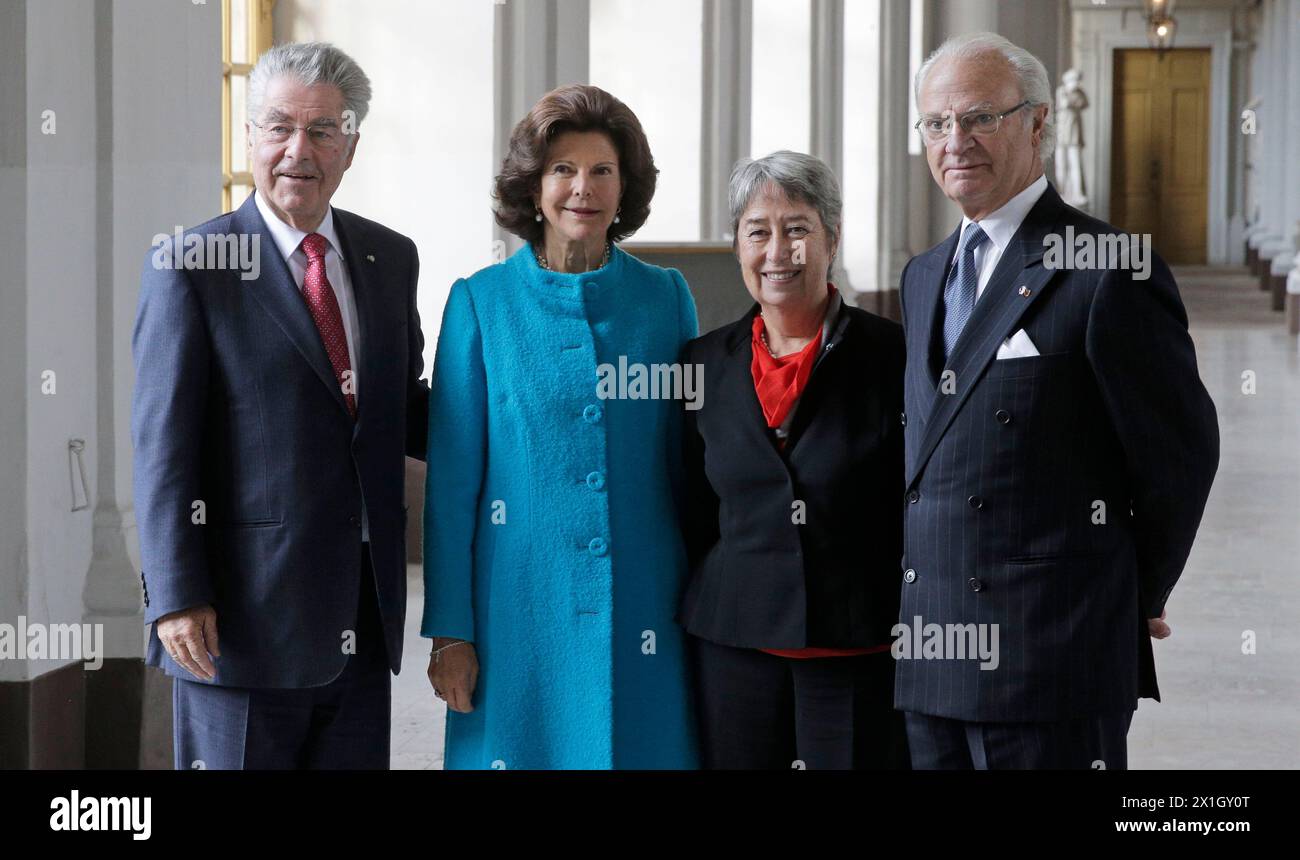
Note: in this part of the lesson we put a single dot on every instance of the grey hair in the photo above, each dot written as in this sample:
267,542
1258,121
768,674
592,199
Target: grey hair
799,176
311,63
1031,74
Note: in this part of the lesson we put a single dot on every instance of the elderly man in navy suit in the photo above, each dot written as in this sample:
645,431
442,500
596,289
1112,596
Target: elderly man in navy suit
278,357
1059,445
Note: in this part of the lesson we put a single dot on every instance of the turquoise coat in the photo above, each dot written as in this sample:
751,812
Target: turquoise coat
550,526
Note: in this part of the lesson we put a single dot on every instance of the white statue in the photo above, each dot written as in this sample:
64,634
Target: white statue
1071,101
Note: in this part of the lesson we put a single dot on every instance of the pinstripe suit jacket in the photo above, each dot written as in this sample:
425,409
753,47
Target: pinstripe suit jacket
1055,496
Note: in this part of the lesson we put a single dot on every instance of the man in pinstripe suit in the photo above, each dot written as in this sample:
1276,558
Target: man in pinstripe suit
1060,447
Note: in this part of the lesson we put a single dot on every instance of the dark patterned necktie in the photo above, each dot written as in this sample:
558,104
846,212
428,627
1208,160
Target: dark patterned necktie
959,293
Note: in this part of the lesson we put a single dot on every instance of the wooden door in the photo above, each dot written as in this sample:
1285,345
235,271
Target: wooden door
1160,146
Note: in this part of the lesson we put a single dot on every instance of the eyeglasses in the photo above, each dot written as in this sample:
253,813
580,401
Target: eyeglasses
981,122
324,135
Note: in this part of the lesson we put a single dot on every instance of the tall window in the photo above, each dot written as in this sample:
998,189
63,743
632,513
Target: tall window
424,162
780,108
650,57
859,176
245,34
915,50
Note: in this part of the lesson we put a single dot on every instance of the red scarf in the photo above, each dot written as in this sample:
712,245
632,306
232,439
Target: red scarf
778,382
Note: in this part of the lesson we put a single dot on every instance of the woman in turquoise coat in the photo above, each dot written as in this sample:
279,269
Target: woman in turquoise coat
553,562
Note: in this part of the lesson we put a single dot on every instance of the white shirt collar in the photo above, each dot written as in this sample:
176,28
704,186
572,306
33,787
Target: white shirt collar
1001,226
287,238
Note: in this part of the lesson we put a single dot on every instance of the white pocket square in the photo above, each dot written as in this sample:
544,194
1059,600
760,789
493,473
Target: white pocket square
1017,346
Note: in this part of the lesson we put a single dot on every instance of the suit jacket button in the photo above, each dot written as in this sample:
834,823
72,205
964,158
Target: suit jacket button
355,521
913,497
1003,416
975,502
909,576
975,584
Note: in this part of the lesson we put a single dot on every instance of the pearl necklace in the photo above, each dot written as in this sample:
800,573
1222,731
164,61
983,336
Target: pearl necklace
604,261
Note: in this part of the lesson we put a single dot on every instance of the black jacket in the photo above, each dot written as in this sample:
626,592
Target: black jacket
760,577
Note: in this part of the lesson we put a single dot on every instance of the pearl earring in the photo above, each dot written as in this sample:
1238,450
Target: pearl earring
616,214
538,216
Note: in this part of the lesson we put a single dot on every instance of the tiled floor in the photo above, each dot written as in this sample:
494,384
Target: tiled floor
1221,708
419,717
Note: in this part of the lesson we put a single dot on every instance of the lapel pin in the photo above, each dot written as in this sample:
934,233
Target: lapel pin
370,257
1025,291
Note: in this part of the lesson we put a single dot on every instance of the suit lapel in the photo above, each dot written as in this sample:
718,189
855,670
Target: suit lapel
933,277
358,256
1018,281
738,384
832,350
924,285
278,294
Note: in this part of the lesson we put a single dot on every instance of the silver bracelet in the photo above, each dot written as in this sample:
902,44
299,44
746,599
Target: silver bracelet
436,651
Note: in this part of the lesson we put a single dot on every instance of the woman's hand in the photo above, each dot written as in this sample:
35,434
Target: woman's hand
454,673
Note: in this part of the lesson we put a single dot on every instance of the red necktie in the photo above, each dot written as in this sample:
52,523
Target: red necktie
324,309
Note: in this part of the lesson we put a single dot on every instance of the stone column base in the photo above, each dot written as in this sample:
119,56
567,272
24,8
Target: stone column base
1277,286
44,721
118,716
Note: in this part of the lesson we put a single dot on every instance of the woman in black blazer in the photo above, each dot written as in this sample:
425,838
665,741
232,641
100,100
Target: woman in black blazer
793,512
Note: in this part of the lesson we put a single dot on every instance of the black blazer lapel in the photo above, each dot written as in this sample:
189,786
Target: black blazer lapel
805,409
738,396
276,291
1018,281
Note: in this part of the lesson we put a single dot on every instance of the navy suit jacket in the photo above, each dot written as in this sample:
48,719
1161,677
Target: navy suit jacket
1006,467
236,406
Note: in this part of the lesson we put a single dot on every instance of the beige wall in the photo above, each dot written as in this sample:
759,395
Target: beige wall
424,163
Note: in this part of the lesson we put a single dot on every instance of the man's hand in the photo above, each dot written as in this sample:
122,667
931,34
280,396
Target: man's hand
454,674
1158,628
189,637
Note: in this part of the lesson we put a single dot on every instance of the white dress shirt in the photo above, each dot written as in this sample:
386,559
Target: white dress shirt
289,242
1000,227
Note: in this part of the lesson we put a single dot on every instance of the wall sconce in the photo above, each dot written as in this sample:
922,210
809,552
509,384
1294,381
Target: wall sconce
1161,25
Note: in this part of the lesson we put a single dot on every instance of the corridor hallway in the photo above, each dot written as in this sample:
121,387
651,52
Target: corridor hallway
1221,708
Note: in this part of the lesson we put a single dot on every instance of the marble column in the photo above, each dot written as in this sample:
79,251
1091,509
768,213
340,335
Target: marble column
1274,240
1288,259
827,92
539,45
725,108
896,192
